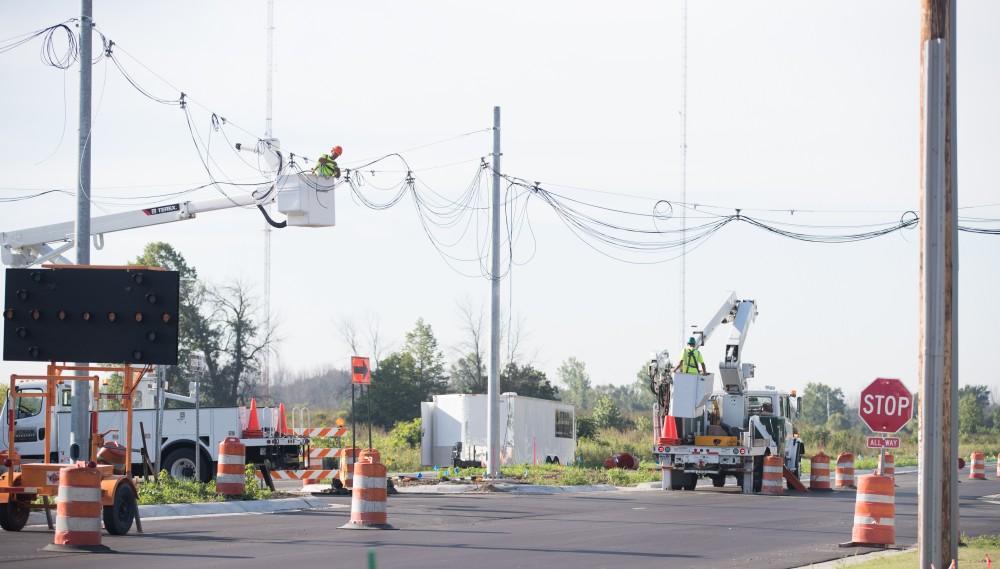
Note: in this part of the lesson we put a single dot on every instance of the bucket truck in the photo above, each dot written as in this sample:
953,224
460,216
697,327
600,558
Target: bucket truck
721,432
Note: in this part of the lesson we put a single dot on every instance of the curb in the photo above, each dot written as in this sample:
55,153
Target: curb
854,559
159,511
532,489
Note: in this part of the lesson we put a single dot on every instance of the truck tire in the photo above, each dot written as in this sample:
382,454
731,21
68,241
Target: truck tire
14,514
676,480
179,463
690,481
118,517
718,480
758,474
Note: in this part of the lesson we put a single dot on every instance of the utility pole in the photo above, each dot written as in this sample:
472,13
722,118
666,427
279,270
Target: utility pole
267,226
493,383
684,175
79,437
938,493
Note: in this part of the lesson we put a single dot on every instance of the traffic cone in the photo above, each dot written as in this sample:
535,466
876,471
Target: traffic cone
669,434
253,425
282,423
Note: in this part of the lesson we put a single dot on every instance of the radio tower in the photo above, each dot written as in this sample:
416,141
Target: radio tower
268,134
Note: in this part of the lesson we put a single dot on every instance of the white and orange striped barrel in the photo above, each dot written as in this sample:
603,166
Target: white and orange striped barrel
819,472
114,454
977,466
773,480
346,474
230,476
845,471
79,508
887,466
875,511
998,465
368,497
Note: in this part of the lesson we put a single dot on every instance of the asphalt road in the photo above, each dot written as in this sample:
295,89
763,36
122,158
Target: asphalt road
633,529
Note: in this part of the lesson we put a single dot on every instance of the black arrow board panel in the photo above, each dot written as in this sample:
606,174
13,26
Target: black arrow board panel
91,315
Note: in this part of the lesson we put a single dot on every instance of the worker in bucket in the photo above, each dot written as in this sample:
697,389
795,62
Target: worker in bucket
692,359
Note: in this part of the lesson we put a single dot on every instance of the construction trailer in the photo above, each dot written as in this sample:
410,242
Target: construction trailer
176,451
533,431
702,431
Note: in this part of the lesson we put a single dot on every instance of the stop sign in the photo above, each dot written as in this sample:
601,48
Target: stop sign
886,405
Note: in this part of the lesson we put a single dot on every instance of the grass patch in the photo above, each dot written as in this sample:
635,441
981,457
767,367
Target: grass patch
556,475
167,490
972,553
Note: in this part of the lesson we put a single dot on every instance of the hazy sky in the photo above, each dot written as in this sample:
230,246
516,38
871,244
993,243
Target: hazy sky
791,106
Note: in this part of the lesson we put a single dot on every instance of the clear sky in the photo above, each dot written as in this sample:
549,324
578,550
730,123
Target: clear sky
791,106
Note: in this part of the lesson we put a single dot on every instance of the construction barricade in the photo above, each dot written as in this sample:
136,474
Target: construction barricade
346,474
230,477
977,466
845,470
79,510
819,473
773,480
998,466
886,466
368,496
874,512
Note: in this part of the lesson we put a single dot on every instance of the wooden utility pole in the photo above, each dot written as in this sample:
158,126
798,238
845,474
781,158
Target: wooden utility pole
938,492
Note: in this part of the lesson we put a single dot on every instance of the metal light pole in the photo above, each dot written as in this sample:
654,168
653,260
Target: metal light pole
938,493
79,437
493,383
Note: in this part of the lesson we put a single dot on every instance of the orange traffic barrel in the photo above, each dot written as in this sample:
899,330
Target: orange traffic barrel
998,465
875,511
772,482
114,454
977,466
368,496
230,476
79,510
845,471
886,466
346,472
819,472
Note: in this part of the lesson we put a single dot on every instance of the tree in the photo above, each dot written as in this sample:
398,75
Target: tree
428,360
973,403
820,402
243,343
468,375
838,422
527,381
573,374
606,414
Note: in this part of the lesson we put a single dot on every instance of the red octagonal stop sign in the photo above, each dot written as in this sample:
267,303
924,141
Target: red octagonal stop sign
886,405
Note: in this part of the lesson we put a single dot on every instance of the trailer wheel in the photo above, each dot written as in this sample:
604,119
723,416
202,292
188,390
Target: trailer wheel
718,480
690,481
119,516
14,514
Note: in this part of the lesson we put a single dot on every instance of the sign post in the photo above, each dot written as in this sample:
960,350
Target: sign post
361,375
886,406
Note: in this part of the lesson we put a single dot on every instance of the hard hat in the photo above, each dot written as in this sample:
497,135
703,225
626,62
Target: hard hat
692,341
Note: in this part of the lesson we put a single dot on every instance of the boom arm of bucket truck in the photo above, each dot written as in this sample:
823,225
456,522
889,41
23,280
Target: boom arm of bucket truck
741,313
305,199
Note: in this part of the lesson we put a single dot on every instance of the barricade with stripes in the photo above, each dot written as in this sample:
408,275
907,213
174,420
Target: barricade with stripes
320,431
845,470
346,473
299,474
772,481
977,466
874,511
230,476
819,472
79,509
368,497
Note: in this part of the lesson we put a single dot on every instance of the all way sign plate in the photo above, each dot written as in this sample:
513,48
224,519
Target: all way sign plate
879,442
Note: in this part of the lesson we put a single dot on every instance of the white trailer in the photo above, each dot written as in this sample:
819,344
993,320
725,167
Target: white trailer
177,443
532,430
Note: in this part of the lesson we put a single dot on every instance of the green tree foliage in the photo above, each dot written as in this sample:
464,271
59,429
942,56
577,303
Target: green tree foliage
973,407
428,361
586,428
527,381
3,394
406,433
607,414
573,374
838,422
814,403
468,374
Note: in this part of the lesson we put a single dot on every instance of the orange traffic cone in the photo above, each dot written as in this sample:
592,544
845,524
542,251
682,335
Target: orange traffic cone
282,423
669,434
253,430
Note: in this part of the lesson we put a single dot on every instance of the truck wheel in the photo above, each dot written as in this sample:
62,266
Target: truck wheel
690,481
14,514
676,480
758,474
718,480
179,464
119,516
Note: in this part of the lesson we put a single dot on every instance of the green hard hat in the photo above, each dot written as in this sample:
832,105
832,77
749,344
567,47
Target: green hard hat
692,341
